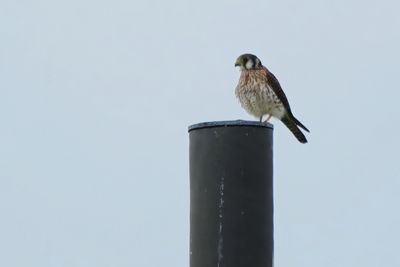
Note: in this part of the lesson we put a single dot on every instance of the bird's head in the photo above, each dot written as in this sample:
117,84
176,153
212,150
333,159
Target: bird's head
248,62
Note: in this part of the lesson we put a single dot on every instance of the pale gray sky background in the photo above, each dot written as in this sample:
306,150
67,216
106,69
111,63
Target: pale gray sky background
95,101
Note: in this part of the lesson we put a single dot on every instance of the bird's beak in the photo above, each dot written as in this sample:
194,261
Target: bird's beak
238,63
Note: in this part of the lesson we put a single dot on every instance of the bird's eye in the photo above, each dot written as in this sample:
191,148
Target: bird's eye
245,60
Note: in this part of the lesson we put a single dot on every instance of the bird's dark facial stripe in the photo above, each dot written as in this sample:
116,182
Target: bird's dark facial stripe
248,62
252,60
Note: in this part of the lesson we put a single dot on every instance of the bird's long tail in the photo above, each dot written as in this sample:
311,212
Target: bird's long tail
298,123
291,123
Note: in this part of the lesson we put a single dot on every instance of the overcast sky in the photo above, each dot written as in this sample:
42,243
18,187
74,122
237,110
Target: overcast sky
96,97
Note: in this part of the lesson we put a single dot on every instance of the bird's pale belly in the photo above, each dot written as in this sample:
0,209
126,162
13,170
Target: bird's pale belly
261,102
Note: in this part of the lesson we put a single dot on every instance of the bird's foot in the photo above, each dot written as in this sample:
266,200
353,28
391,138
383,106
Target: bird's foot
269,117
265,121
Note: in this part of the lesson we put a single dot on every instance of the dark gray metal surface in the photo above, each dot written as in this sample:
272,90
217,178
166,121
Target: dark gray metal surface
231,196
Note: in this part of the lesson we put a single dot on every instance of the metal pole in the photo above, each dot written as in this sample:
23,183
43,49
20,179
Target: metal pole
231,194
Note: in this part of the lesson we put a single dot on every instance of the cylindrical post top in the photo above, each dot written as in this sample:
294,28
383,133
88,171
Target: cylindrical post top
212,124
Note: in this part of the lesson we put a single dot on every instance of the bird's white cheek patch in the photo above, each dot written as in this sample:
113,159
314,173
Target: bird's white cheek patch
249,64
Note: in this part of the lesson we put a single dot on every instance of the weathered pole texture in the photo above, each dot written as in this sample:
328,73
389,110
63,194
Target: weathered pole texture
231,194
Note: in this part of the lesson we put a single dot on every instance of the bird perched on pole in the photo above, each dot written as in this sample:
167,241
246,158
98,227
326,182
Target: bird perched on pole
260,94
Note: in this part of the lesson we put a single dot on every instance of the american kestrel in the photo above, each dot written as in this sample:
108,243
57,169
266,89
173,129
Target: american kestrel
260,94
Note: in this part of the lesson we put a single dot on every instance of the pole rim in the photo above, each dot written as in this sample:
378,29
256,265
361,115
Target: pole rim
232,123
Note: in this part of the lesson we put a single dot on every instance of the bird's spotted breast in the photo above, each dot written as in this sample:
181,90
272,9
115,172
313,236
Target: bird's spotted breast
256,96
